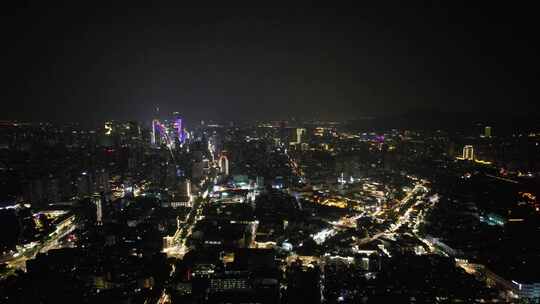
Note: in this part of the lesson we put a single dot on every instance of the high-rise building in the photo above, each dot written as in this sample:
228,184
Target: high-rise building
108,128
156,132
300,132
160,133
96,199
197,170
468,152
131,131
224,164
184,188
85,184
178,128
101,179
487,131
34,192
52,189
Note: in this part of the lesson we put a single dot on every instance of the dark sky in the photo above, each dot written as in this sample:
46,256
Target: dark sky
85,63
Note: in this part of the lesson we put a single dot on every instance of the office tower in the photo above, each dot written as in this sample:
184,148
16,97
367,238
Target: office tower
300,132
131,130
108,127
157,132
99,211
101,180
224,164
154,131
184,188
197,170
178,128
468,152
487,132
84,184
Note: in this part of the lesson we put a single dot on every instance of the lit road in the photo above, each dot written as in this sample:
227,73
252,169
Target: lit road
164,299
18,260
184,230
403,211
403,208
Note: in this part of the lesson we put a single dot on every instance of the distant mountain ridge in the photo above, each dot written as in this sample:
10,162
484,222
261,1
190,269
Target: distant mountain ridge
452,121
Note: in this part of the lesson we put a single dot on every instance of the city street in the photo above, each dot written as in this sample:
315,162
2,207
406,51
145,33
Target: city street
52,241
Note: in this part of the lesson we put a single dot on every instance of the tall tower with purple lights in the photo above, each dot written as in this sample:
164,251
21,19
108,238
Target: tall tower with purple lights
156,132
178,127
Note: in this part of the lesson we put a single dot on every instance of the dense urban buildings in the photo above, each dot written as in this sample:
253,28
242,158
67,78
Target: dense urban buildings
169,153
266,212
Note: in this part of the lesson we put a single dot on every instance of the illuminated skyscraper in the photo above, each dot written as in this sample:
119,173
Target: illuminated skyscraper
157,132
153,138
224,164
468,152
99,211
178,128
108,127
487,132
185,188
300,132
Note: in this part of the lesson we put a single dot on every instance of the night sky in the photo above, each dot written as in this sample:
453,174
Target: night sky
88,64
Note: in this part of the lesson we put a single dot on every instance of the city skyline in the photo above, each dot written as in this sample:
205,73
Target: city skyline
388,153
